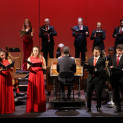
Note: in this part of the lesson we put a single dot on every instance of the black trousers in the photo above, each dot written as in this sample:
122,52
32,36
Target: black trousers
77,53
48,49
117,90
98,86
63,90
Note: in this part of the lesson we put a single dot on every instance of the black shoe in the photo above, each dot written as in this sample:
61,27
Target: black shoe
89,110
117,110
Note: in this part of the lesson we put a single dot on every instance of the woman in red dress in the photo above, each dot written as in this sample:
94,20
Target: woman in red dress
36,101
27,33
7,104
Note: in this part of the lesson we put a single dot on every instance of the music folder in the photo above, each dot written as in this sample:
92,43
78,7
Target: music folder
120,34
99,33
48,31
80,31
89,67
25,33
8,66
37,64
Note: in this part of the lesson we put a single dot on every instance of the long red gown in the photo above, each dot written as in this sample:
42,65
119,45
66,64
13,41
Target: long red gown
36,101
27,48
7,104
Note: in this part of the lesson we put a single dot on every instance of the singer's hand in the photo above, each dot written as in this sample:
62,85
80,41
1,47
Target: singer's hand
86,33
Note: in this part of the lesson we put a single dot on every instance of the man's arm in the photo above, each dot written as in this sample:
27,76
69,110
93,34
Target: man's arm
53,33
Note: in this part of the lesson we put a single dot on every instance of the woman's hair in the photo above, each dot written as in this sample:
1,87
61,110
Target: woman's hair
1,50
39,54
24,26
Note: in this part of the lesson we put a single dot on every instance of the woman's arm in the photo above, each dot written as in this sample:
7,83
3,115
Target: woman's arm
28,66
44,64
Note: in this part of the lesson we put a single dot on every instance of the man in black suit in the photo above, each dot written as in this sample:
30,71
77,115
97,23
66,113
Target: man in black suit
46,33
80,32
116,78
65,63
118,34
96,78
98,36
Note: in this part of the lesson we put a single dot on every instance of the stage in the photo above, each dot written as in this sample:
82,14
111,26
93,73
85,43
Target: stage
52,105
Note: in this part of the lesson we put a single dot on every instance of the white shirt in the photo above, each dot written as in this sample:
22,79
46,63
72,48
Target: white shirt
96,58
119,57
81,27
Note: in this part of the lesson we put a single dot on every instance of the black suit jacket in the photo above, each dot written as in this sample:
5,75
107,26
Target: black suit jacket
118,40
65,63
80,39
44,42
100,74
98,41
116,75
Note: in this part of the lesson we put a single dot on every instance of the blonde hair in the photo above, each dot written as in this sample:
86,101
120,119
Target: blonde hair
39,54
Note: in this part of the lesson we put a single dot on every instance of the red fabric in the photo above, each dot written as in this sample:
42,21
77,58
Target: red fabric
7,104
27,48
17,91
36,101
95,60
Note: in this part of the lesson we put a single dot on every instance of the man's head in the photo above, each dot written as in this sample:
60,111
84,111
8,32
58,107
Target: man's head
80,21
46,21
96,51
119,49
121,22
110,51
66,50
99,25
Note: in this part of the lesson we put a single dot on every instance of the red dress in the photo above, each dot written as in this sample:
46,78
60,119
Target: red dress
27,48
36,101
7,104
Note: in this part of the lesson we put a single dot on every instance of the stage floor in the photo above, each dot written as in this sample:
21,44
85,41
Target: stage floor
20,110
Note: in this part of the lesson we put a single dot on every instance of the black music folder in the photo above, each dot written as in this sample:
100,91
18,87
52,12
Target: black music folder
120,34
99,33
38,64
89,67
8,66
80,31
48,31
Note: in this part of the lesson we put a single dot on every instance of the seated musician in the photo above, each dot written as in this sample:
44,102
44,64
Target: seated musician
65,63
110,53
116,78
59,50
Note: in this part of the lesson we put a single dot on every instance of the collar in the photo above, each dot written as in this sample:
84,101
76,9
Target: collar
96,57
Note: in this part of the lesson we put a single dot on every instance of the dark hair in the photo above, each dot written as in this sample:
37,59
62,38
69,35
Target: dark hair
119,46
121,20
96,48
66,50
111,49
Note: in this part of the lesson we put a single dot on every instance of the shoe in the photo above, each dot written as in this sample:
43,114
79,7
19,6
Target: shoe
117,110
89,110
